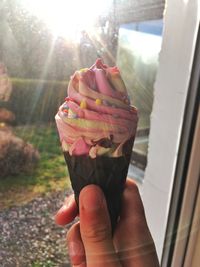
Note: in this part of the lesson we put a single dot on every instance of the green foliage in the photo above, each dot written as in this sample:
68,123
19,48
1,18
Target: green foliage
36,100
45,139
28,47
48,263
16,155
51,171
24,40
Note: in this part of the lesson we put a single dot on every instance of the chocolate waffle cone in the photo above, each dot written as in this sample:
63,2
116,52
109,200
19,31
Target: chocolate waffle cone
107,172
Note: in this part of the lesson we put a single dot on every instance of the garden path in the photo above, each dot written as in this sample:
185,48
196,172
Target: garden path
29,236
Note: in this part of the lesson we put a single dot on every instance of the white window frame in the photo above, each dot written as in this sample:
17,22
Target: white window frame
181,21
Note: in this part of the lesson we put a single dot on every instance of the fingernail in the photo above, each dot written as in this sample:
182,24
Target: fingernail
92,198
80,265
68,201
64,207
75,249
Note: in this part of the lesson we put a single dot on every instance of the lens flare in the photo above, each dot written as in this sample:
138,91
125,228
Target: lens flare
67,18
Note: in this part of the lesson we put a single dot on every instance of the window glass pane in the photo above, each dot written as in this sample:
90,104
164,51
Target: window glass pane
42,43
139,45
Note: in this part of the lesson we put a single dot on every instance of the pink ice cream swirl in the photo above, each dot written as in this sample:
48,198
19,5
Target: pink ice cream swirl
96,118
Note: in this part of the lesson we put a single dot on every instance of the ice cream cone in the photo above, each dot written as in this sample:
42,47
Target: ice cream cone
97,127
108,173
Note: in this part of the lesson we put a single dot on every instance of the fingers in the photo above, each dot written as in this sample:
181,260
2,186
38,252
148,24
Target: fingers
132,238
132,206
95,229
75,245
67,212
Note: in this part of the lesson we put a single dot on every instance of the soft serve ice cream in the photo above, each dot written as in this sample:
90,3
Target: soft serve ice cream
97,127
96,118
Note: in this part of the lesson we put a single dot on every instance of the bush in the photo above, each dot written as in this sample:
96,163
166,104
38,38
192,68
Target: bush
6,116
36,100
16,156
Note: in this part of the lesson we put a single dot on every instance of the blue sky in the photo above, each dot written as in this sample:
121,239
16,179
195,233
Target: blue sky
154,27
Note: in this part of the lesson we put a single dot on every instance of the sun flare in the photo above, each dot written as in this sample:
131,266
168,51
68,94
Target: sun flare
67,18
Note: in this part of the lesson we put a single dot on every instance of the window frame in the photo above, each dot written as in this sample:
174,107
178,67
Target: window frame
170,99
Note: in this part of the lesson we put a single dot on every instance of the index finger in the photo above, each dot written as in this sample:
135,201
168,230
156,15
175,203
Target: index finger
132,205
68,212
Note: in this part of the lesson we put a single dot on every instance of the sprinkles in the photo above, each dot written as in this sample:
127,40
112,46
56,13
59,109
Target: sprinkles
65,109
98,102
71,114
83,70
65,106
83,104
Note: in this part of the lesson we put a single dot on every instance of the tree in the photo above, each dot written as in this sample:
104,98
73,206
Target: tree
26,40
28,48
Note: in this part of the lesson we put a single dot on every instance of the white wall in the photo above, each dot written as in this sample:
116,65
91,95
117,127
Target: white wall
181,20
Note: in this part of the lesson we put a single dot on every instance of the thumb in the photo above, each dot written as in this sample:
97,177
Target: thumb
95,228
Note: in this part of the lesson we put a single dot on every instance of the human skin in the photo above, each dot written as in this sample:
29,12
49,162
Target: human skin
90,240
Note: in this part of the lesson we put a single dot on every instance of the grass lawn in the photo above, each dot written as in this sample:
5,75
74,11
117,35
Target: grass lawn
50,173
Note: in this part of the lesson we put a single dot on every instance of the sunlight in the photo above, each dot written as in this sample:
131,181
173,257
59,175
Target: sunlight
144,45
67,18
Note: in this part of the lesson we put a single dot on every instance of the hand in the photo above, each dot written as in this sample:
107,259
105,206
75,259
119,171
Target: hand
90,240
